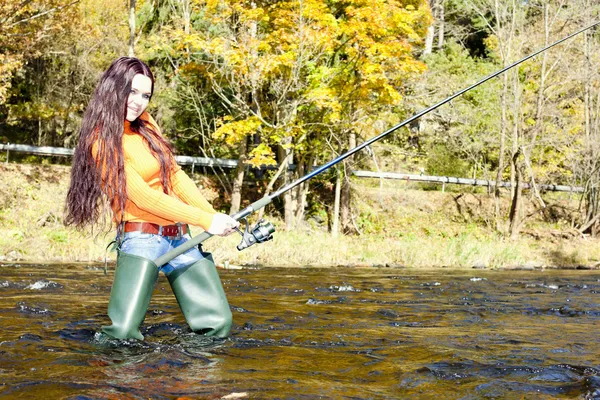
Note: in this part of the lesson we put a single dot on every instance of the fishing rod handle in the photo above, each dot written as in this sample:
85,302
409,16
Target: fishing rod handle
168,256
196,240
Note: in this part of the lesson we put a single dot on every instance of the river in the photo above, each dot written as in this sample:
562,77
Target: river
335,333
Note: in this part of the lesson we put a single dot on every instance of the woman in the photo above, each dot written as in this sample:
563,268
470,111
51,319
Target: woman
124,168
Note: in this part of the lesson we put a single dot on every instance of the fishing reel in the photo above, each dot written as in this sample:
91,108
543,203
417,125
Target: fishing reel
261,232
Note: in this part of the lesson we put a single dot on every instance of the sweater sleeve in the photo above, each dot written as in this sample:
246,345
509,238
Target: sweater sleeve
162,205
181,183
188,192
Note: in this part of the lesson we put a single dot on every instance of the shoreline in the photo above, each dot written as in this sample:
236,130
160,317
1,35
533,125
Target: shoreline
96,265
403,227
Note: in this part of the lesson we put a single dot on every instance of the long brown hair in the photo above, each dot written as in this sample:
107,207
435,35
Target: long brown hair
98,180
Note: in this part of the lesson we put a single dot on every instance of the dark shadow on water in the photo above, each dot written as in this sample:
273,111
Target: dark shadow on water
555,380
161,340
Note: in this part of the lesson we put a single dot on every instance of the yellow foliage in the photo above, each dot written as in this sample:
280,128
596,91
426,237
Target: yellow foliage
235,131
492,43
8,65
261,155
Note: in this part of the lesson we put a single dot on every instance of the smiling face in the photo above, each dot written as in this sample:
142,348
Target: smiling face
139,96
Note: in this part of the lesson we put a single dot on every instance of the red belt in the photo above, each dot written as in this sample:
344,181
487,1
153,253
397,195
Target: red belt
174,231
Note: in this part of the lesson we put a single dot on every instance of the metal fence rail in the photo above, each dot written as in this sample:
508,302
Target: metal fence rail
229,163
42,151
64,152
462,181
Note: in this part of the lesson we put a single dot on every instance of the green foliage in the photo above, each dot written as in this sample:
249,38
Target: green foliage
443,162
58,237
468,129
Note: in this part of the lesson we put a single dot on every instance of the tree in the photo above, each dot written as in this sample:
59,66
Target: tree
292,74
581,101
464,130
69,47
370,71
25,27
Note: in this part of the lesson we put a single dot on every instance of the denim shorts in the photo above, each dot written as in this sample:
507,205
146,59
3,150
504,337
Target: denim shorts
151,246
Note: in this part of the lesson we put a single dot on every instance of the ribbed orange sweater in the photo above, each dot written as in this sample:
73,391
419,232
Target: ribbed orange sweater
146,200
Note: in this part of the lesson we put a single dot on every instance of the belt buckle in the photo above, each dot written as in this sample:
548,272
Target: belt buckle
179,233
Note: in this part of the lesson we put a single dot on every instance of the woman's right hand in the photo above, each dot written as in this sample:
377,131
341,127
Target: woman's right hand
222,225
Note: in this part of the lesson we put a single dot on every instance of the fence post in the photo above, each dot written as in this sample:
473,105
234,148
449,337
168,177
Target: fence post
7,150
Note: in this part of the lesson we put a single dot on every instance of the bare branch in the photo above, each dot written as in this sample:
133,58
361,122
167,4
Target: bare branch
43,13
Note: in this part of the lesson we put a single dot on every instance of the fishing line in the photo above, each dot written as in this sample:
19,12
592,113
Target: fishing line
264,232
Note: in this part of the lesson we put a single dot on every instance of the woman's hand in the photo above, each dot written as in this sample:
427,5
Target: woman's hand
222,225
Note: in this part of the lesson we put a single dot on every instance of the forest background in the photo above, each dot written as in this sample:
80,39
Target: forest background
275,84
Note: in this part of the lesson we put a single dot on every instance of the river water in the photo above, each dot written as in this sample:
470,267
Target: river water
310,334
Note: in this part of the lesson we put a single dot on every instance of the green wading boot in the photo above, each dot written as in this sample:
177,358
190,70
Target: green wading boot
130,295
201,297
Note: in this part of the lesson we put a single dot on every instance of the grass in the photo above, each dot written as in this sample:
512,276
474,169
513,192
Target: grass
401,226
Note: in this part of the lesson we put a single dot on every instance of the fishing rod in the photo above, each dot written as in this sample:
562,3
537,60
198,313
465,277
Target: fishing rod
263,231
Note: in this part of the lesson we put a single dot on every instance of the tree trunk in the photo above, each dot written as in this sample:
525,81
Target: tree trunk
515,132
515,207
505,51
345,201
335,229
65,119
302,192
431,30
303,188
289,197
539,113
346,192
132,28
440,14
591,210
587,88
236,193
516,171
591,195
501,151
39,131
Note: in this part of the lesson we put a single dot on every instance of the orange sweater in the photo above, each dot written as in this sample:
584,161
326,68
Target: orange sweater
146,200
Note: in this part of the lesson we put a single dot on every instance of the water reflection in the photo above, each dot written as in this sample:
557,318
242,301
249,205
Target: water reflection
308,334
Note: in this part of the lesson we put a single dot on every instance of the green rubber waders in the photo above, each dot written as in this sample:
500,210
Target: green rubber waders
130,295
201,298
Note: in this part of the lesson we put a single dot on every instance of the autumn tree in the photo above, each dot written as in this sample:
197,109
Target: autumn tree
580,101
540,125
60,47
293,74
25,27
528,125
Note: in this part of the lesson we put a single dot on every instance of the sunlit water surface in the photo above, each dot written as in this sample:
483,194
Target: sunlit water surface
310,334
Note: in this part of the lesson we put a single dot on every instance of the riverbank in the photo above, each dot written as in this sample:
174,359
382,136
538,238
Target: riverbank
401,226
